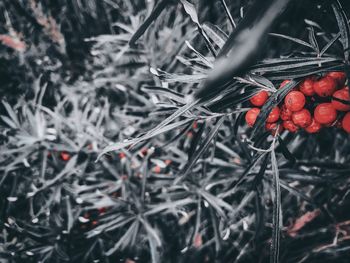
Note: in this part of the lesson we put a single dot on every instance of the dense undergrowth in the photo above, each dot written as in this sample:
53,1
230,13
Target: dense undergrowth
103,158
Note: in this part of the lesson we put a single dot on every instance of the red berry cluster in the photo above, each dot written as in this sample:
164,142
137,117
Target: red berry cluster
315,103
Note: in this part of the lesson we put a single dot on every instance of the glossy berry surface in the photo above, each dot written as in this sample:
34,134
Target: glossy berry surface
314,127
302,118
346,122
260,98
338,76
325,86
65,156
342,94
290,126
295,101
251,116
325,113
274,115
285,114
306,87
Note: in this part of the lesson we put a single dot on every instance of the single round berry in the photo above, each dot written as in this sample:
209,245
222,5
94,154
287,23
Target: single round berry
295,101
251,116
338,76
306,87
285,113
65,156
274,115
346,122
302,118
342,94
325,86
325,113
260,98
290,126
314,127
273,128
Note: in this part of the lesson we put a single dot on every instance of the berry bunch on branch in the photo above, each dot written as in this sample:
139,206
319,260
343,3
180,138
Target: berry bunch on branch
316,102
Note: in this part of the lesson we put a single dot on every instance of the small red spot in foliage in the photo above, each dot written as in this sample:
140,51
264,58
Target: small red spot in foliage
122,155
302,221
144,151
197,241
12,42
65,156
157,169
189,134
124,177
102,210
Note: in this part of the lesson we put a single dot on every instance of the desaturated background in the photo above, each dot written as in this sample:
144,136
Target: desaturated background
70,85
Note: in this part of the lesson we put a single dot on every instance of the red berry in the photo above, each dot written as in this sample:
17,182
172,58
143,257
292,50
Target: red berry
122,155
102,210
144,151
346,122
338,76
302,118
65,156
284,83
325,113
295,101
157,169
272,127
325,86
290,126
342,94
314,127
274,115
285,113
195,125
260,98
251,116
306,87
